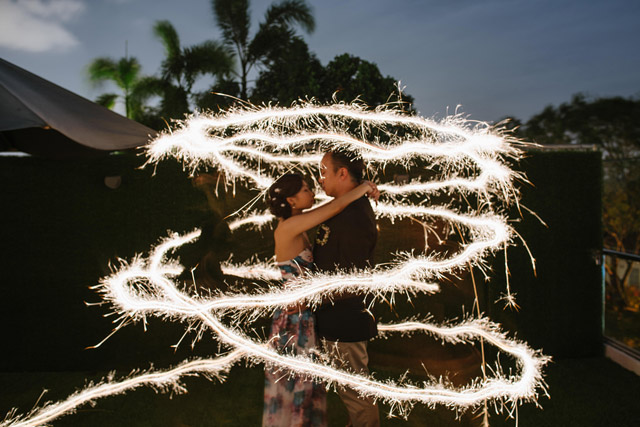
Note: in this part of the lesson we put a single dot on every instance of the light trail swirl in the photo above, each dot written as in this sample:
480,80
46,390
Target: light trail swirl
254,146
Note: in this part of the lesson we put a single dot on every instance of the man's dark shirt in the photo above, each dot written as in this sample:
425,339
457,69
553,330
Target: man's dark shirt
345,242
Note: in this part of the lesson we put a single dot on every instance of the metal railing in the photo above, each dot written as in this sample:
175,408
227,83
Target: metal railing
623,255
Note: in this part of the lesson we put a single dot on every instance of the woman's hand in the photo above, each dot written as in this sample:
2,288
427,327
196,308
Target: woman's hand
371,190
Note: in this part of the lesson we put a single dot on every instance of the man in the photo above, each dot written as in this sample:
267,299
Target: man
346,242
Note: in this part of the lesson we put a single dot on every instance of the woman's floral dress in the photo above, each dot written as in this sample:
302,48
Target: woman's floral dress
291,400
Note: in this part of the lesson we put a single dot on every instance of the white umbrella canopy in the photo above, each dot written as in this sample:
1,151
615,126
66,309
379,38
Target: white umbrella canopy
41,118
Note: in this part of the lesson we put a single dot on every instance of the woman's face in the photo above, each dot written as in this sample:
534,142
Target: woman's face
303,199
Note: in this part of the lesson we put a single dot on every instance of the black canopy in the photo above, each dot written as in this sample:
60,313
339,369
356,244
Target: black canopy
41,118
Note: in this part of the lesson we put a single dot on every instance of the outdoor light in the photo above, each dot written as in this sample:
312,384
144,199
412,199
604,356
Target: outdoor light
113,182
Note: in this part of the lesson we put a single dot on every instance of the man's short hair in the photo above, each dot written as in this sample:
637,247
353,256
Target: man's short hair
350,160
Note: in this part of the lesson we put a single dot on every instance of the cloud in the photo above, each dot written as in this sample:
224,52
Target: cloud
37,25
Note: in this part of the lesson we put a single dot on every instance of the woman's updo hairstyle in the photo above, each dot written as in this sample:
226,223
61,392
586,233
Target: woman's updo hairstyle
287,185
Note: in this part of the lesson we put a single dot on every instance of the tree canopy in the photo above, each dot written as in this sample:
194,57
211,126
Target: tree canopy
611,124
350,77
286,69
126,74
183,65
289,74
296,73
277,28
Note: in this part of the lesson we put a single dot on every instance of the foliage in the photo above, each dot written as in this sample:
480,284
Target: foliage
288,69
613,125
107,100
232,16
610,123
294,73
179,71
624,326
182,66
126,74
290,74
221,95
350,77
621,218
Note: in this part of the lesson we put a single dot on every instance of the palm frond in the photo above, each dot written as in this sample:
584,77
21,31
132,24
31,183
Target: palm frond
268,39
128,72
101,70
288,13
174,103
166,32
221,95
172,66
209,57
148,87
232,16
107,100
145,88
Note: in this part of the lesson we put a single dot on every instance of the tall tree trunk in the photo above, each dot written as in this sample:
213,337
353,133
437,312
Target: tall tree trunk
243,82
127,109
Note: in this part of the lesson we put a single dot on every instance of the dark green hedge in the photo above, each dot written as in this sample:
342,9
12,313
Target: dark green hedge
561,307
62,227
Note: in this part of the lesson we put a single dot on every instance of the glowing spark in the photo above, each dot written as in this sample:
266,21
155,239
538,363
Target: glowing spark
161,380
257,221
255,146
260,135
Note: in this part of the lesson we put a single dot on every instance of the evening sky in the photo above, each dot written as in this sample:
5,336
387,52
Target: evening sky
492,58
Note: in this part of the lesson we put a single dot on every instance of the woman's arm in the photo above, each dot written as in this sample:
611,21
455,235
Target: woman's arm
299,223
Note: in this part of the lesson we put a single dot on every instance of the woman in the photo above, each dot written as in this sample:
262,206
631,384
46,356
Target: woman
294,401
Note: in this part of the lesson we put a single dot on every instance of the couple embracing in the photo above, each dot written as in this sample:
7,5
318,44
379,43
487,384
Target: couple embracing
340,328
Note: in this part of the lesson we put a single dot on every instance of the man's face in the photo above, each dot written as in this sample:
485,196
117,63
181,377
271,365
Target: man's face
328,177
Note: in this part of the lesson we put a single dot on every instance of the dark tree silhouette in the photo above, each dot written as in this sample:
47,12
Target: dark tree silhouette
182,66
233,18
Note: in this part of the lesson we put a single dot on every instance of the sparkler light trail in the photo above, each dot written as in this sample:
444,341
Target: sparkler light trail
254,146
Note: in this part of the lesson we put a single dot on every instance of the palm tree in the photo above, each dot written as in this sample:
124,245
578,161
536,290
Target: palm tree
125,73
232,16
182,66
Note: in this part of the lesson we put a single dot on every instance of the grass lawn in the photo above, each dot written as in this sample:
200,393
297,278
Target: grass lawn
584,392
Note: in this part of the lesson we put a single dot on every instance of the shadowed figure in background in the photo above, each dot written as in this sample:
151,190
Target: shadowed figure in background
201,259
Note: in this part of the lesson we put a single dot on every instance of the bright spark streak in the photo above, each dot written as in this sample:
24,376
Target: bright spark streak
258,221
260,135
161,380
255,146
